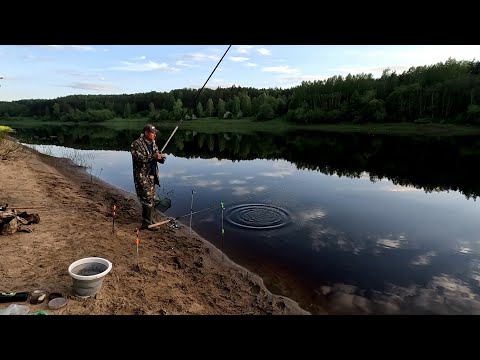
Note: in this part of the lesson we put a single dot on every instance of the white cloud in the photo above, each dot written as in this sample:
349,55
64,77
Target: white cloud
423,259
216,162
238,58
38,58
295,80
215,50
146,66
183,63
240,191
392,241
279,174
243,49
465,250
67,47
251,64
187,178
75,73
206,183
236,182
400,60
310,215
202,57
259,188
299,78
82,48
283,69
398,188
264,51
138,58
91,86
214,83
431,54
376,71
85,76
327,237
389,243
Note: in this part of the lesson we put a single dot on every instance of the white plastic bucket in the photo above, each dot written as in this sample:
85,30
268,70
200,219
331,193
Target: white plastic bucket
88,274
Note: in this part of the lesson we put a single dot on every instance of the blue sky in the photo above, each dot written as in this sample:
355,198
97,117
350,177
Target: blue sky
51,71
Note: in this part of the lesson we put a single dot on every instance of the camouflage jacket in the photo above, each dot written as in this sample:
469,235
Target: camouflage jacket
142,159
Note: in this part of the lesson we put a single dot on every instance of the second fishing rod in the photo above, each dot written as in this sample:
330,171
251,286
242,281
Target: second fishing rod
241,200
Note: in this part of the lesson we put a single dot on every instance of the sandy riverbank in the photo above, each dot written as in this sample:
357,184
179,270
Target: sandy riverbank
179,273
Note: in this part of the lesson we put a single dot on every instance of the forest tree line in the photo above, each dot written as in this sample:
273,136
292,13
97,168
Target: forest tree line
446,92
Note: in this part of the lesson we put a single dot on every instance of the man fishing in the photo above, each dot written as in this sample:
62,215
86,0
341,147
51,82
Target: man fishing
145,156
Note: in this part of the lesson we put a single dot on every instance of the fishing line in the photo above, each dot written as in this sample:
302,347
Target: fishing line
213,207
163,188
113,217
193,102
223,230
137,241
191,212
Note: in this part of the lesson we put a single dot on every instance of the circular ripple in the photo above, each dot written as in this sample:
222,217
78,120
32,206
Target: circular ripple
257,216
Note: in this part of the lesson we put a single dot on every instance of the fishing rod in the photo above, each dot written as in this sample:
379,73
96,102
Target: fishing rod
193,102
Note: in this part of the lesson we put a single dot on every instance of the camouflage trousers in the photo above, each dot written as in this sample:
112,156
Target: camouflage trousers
145,189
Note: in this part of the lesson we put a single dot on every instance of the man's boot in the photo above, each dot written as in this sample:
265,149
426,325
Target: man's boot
146,216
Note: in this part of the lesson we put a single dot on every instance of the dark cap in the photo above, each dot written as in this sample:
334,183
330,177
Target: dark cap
149,127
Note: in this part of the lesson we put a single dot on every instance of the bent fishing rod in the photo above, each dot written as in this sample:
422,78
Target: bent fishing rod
193,102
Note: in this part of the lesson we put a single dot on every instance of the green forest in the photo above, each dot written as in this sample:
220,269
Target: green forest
446,92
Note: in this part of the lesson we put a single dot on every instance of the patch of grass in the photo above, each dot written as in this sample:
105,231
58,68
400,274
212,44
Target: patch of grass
5,130
210,125
400,129
280,125
213,125
9,149
244,125
121,123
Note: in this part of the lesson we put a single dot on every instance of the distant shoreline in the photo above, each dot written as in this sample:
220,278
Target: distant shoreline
278,125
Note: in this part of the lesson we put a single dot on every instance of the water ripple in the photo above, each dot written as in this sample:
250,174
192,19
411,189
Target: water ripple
258,216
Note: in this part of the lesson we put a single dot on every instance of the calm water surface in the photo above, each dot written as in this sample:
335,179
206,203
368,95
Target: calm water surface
343,224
